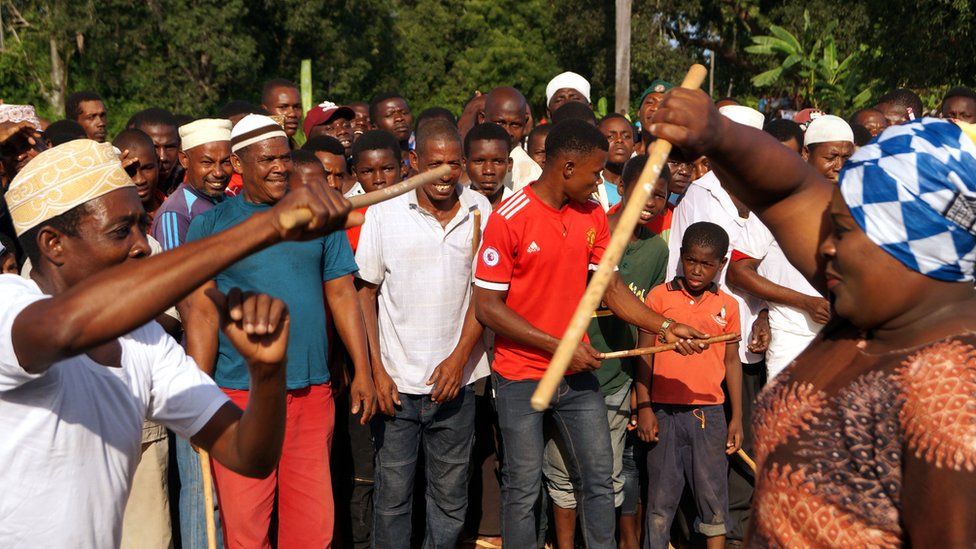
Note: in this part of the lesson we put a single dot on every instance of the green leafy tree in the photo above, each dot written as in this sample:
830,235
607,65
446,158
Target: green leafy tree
810,69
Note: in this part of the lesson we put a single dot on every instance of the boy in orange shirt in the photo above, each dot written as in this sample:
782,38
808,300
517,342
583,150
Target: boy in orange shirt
680,398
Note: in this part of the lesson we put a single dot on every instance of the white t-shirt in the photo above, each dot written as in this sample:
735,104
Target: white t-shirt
70,437
706,200
758,243
424,272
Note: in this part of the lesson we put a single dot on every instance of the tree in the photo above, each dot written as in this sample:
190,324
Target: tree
809,68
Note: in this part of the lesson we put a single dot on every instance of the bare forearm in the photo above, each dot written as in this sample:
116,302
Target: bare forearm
733,380
118,300
251,445
367,302
644,371
471,332
507,323
628,308
349,322
745,277
201,324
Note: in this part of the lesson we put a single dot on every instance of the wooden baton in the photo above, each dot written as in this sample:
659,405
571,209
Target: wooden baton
208,499
657,156
301,216
747,460
669,347
476,232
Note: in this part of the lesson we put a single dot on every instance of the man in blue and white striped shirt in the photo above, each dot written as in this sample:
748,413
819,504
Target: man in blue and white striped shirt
205,156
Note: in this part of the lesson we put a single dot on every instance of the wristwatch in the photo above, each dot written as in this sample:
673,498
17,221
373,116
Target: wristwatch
664,329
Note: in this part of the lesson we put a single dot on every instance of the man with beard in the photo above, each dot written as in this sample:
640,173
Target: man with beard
142,164
330,119
391,113
87,109
161,126
281,97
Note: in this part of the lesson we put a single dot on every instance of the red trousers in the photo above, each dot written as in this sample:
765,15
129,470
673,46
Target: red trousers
302,480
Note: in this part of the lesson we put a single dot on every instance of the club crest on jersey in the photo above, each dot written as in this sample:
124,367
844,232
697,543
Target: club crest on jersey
490,256
721,318
590,237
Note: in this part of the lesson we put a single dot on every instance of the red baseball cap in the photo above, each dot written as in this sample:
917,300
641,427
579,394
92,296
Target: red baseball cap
806,115
323,113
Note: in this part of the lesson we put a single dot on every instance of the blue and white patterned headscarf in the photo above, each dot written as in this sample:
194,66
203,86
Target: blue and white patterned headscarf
913,192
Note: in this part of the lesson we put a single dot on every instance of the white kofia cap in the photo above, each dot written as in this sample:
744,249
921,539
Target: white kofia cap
747,116
254,128
827,128
205,130
567,80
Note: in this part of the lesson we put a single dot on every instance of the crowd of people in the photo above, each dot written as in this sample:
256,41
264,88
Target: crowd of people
364,379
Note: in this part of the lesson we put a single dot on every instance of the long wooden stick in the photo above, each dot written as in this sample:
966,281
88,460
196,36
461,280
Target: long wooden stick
748,460
657,156
208,499
669,347
301,216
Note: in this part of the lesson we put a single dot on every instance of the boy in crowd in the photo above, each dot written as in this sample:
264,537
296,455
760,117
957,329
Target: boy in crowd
536,144
415,272
142,164
391,113
620,134
642,267
377,162
331,153
679,398
959,103
161,126
486,148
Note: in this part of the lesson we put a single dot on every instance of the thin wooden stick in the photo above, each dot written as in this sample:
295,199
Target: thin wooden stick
747,460
476,232
208,499
657,156
301,216
669,347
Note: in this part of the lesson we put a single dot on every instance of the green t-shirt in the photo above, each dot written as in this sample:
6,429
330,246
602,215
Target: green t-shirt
643,266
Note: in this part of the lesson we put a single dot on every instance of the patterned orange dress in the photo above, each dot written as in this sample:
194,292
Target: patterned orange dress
868,450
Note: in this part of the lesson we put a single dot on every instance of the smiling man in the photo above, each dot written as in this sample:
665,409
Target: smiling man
416,264
333,120
301,486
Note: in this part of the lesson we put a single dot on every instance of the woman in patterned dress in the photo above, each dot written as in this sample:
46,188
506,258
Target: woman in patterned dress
869,438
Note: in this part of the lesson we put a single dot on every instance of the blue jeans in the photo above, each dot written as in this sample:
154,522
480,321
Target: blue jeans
193,520
447,433
580,413
690,448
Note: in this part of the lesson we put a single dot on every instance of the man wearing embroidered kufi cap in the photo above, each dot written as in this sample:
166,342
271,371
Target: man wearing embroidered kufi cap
82,365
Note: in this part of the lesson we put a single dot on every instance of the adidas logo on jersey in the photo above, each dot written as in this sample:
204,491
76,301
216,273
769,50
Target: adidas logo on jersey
533,248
